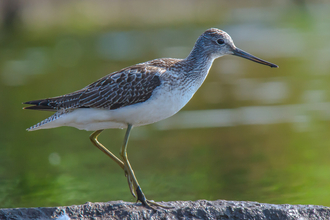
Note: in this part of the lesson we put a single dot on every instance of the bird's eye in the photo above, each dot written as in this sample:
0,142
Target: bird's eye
220,41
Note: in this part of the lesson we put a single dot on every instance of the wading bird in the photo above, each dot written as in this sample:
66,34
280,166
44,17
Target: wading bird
138,95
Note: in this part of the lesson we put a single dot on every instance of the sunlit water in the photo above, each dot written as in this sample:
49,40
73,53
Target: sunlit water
250,133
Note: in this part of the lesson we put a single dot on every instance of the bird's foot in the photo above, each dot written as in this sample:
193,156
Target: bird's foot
136,191
147,203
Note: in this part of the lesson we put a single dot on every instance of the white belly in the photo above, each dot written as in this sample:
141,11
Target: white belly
161,105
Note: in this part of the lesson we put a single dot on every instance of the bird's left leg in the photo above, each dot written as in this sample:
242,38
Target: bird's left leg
105,150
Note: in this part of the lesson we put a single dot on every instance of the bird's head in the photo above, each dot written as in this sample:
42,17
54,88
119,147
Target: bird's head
217,43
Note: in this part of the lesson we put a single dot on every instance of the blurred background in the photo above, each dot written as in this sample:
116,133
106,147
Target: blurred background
250,132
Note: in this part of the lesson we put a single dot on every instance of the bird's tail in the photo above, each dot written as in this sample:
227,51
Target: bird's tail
42,104
47,122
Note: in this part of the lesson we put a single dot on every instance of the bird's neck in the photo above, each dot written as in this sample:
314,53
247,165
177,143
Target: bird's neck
198,61
194,70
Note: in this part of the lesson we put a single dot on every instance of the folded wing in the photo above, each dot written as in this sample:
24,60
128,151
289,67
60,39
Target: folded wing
126,87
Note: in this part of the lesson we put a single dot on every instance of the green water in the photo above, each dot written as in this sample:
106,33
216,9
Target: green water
280,157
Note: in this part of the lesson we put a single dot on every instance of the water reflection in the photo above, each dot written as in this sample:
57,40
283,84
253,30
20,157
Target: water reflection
54,158
251,115
32,62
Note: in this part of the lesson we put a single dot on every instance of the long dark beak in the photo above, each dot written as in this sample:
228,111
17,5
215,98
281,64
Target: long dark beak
242,53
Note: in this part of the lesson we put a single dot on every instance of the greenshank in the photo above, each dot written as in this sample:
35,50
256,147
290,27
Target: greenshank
138,95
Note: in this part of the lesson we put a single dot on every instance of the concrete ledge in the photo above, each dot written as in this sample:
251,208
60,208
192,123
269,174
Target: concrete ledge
200,209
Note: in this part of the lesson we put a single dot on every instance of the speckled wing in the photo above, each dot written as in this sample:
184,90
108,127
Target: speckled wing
126,87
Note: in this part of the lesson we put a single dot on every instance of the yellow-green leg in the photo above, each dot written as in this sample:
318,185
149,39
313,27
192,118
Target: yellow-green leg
94,140
126,166
132,181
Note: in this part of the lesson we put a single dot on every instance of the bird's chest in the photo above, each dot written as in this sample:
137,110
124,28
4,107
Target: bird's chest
179,91
168,100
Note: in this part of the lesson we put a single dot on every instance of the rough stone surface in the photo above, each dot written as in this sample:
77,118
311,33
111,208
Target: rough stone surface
200,209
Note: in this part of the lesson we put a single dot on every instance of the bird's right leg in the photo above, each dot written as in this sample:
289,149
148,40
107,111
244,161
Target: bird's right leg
132,181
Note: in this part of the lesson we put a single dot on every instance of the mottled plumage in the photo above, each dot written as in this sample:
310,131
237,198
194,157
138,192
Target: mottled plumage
128,86
125,87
